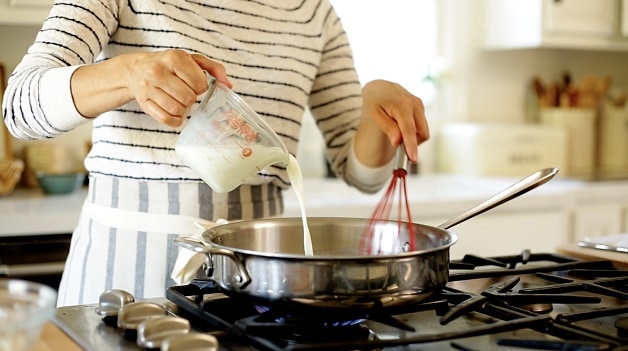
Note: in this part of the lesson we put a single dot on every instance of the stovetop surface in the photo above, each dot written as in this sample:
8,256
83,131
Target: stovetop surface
487,318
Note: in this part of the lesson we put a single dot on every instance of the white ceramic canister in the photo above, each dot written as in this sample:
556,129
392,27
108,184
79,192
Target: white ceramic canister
580,125
613,142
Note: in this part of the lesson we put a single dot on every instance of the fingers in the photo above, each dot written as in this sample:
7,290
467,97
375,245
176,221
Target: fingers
214,68
158,113
413,125
166,84
399,114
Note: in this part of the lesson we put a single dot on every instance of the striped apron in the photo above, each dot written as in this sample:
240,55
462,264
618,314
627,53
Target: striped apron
124,238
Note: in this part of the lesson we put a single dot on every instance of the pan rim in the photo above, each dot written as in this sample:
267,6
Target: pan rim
210,234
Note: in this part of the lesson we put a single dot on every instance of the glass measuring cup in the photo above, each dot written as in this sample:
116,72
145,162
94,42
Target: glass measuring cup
226,142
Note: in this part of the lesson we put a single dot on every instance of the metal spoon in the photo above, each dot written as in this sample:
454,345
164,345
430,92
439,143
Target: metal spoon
521,187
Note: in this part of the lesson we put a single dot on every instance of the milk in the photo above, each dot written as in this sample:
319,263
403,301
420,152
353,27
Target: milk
227,167
296,178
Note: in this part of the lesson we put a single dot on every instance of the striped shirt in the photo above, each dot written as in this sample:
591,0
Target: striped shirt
281,55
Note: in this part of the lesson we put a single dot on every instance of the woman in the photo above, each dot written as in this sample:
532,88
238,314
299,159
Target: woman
135,68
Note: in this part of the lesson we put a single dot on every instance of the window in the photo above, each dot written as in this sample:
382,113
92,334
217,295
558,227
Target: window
393,40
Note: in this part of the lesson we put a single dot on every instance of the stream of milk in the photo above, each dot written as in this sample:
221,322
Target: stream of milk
296,178
225,168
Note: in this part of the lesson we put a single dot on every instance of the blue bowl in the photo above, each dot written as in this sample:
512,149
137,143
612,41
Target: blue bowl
60,183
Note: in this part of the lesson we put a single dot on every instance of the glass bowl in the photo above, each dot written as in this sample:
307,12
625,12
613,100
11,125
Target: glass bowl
24,308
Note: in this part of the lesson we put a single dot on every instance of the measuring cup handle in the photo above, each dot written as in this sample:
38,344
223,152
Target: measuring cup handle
211,87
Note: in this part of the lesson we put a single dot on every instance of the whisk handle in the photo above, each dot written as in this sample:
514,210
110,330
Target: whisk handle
401,158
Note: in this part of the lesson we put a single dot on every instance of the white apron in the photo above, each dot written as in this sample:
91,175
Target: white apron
115,246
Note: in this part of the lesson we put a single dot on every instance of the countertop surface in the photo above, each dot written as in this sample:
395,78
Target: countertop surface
30,211
585,253
52,338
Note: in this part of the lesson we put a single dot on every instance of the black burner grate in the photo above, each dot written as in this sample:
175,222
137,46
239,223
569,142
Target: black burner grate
504,303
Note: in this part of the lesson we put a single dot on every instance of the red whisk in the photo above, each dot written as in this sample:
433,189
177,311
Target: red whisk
380,236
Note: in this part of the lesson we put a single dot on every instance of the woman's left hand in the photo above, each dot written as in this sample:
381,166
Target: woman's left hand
390,116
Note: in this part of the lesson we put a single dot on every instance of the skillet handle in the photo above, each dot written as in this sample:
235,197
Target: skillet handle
521,187
242,278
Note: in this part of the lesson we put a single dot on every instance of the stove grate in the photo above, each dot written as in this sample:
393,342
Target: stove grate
504,303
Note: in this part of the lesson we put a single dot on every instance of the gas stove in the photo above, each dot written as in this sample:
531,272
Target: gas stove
519,302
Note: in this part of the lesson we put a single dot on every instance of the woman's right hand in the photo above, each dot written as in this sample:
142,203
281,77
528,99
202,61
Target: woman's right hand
165,84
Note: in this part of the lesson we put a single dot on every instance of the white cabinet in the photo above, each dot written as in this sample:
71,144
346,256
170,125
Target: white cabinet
24,12
623,18
597,220
498,234
569,24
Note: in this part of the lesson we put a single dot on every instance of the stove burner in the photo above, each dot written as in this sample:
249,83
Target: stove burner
540,308
304,331
502,293
599,285
622,327
305,319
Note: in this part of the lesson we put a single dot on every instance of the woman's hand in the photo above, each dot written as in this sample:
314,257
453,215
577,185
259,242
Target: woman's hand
165,84
390,116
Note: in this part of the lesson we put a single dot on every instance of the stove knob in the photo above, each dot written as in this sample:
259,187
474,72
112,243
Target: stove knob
152,332
134,313
193,341
110,303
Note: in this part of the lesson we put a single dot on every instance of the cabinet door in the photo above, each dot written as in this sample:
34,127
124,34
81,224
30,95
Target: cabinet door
510,233
567,24
597,220
623,19
584,17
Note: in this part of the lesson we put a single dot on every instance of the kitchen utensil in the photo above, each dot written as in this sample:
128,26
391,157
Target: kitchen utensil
521,187
262,260
376,242
226,142
24,308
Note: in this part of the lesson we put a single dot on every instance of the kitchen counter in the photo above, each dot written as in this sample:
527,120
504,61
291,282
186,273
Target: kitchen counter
31,212
432,197
619,258
52,338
